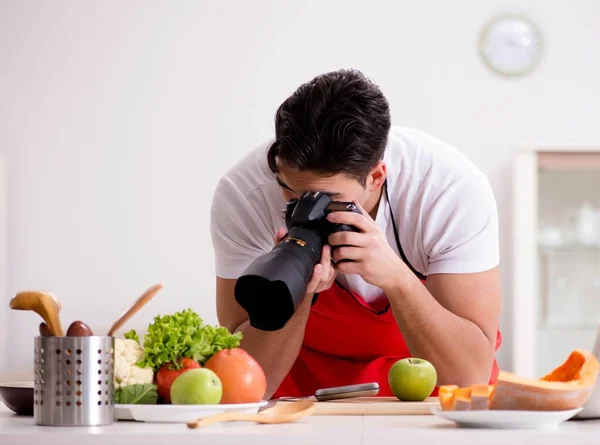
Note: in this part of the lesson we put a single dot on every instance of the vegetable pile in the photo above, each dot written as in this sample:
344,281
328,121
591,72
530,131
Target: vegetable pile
172,345
171,338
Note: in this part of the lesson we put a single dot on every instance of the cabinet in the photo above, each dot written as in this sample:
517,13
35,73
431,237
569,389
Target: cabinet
556,255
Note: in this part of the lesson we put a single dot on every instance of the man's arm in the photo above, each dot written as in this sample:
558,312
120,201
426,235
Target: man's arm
239,235
275,351
452,321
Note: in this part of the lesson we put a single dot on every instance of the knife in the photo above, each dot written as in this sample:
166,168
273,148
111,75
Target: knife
338,392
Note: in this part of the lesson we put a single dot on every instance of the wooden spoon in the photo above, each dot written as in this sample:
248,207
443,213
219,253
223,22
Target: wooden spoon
42,303
57,302
280,413
135,307
44,329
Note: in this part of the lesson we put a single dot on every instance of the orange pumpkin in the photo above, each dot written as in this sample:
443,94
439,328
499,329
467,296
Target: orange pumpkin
567,387
462,399
446,396
476,397
480,397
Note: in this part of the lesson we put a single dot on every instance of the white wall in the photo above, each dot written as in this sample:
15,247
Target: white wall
4,344
117,119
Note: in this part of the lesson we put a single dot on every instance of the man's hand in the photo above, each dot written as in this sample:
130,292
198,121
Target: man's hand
323,273
372,257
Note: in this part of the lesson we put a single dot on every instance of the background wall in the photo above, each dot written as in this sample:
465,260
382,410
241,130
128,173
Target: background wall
118,118
4,343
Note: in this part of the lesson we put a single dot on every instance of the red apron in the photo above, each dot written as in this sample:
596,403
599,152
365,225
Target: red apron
348,341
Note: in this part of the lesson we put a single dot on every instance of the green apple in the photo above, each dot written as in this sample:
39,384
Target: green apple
199,386
412,379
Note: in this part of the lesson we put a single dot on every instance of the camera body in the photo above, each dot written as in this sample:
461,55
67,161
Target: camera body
310,213
274,284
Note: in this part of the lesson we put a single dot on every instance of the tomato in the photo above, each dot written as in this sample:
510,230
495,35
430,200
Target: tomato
165,377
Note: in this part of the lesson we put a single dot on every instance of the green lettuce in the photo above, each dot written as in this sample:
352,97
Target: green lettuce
138,394
183,335
132,335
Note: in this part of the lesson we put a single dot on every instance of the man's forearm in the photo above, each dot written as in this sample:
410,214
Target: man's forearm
457,347
276,351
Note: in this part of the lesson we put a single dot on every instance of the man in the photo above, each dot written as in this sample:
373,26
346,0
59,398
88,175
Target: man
424,281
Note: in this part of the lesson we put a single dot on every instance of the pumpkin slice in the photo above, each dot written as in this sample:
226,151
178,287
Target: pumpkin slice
462,399
567,387
480,397
446,396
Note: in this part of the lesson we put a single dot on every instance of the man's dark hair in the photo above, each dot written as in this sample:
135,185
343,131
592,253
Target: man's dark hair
336,123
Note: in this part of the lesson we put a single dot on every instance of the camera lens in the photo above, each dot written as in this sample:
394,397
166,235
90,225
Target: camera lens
274,284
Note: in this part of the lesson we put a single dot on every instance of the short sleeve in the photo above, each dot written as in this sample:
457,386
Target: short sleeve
240,228
460,232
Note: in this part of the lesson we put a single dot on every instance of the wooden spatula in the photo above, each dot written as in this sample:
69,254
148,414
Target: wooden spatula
44,304
283,413
135,307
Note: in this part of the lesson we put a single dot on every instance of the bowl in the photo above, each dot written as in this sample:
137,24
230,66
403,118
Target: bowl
18,397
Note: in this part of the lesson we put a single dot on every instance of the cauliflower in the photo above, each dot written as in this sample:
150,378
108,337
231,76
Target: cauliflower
126,372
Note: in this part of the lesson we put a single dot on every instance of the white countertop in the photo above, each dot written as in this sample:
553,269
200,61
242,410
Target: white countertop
347,430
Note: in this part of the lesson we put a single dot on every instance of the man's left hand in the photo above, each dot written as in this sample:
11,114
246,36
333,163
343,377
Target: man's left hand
372,256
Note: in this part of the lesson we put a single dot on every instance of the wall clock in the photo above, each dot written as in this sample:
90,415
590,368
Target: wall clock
511,45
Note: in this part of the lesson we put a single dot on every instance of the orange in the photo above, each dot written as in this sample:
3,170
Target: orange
242,378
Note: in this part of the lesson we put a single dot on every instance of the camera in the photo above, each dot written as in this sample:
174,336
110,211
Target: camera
274,284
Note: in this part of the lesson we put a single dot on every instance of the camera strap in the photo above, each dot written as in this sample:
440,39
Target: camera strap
398,244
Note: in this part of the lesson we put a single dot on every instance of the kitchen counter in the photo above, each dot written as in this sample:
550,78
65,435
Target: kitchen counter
326,430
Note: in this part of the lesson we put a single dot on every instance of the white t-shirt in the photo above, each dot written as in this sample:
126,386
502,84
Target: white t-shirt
443,205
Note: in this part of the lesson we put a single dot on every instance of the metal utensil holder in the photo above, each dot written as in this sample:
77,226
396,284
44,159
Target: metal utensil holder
73,381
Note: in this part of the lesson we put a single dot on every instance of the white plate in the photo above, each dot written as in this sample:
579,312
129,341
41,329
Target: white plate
506,419
180,413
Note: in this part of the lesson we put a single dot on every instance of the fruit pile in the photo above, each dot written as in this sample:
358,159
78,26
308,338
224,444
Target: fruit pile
229,376
567,387
184,361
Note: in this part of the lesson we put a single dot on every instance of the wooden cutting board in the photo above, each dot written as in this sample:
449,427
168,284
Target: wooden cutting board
369,406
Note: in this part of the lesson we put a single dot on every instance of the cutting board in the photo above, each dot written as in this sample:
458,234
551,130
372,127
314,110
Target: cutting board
369,406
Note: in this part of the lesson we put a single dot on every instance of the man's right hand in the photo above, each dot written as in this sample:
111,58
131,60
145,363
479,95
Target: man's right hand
324,273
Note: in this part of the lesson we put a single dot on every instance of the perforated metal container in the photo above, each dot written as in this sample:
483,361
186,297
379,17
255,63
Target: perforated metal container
73,381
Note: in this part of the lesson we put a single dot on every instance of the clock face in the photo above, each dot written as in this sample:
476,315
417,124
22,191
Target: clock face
511,45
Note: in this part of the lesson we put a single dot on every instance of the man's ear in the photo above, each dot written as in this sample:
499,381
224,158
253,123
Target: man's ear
377,176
